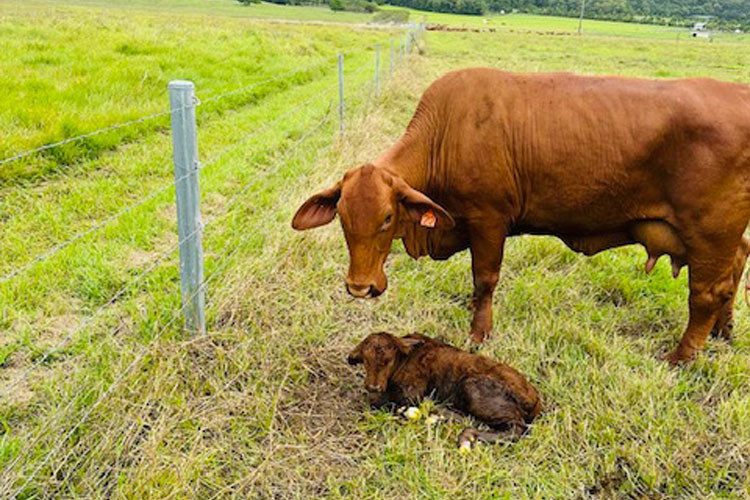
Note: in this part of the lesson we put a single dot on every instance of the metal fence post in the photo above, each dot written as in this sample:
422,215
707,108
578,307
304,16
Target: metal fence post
377,69
391,57
185,148
341,92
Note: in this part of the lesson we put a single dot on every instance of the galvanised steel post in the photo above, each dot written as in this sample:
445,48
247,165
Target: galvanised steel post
391,57
341,92
185,149
377,69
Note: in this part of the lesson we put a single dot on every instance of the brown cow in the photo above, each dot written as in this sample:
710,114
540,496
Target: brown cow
597,161
403,370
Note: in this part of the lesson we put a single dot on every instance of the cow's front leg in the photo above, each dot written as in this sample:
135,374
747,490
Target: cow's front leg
486,244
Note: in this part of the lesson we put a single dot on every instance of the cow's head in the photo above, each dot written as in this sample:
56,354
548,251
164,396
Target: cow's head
374,206
380,353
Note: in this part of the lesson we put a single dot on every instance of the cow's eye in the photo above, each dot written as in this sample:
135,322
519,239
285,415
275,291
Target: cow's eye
386,223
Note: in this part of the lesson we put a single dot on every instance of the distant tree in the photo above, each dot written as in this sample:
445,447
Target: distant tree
353,5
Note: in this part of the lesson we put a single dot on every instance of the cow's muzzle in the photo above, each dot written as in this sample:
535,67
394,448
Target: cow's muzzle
363,291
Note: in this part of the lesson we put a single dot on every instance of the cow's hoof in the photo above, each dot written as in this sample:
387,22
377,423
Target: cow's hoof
723,332
478,336
678,357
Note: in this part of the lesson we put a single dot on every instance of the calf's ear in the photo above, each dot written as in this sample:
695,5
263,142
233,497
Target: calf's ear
422,210
355,357
406,345
319,210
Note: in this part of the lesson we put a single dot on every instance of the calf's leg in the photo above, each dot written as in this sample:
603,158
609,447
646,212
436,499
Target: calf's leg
486,243
491,402
472,435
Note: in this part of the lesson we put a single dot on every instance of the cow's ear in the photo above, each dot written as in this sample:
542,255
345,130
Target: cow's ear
422,210
406,344
319,210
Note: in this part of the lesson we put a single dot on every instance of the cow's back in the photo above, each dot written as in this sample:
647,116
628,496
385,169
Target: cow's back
583,154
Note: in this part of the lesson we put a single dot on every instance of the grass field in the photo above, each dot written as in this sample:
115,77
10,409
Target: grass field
264,405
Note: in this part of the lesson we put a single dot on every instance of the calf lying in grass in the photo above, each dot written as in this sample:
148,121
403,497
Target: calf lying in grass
403,370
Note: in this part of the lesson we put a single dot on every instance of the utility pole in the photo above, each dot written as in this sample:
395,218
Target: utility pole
580,19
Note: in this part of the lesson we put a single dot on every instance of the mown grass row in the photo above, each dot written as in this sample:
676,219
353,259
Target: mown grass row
123,59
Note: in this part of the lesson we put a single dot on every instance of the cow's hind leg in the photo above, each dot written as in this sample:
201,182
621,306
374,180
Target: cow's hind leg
712,288
725,323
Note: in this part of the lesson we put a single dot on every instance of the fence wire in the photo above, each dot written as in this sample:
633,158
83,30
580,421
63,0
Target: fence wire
146,118
68,338
229,257
265,128
60,246
143,119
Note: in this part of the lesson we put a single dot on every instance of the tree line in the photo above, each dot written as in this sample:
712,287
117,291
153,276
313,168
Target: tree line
727,14
724,13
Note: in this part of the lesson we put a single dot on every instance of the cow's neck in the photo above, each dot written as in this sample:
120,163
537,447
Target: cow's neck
409,158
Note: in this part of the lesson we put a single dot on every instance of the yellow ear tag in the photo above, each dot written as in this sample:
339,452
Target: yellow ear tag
428,219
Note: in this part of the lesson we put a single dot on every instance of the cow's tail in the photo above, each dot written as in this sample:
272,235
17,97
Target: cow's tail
746,247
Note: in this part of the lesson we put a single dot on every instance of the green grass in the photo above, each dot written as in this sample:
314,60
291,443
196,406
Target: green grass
48,59
264,405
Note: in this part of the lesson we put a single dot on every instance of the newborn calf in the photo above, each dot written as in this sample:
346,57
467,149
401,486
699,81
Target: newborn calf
403,370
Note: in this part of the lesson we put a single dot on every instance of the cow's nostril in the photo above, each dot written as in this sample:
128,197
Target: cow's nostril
359,290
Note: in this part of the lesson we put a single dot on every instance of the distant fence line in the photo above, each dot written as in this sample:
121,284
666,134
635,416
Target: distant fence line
187,167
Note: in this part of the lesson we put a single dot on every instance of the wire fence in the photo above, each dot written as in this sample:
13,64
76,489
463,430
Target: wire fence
23,469
12,273
153,116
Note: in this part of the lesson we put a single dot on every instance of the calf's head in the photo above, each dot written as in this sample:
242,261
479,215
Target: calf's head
374,206
381,353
